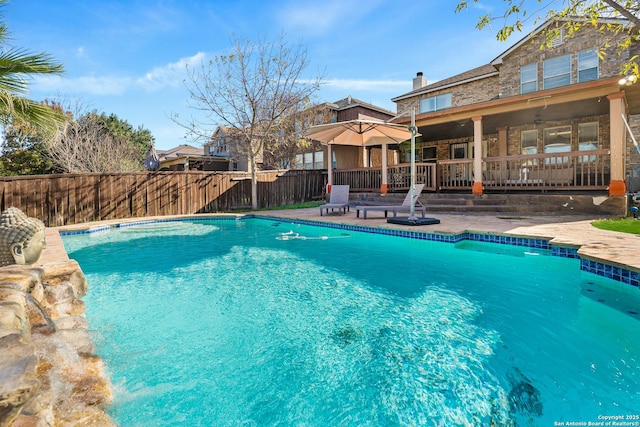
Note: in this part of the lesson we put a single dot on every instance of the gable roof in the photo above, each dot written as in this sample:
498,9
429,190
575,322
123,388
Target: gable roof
477,73
491,69
351,102
527,38
180,151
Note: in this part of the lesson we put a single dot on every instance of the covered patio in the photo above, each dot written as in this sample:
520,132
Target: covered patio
482,147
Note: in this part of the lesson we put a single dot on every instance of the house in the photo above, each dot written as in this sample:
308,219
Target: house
187,157
531,119
222,147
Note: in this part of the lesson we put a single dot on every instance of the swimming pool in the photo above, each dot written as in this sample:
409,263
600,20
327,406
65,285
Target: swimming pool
259,322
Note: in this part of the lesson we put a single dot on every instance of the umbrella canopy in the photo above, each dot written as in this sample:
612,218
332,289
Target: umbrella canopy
360,133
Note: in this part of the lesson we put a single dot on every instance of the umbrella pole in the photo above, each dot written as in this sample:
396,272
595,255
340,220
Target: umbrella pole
412,189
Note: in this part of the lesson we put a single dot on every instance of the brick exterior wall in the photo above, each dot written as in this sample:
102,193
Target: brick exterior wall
530,52
507,84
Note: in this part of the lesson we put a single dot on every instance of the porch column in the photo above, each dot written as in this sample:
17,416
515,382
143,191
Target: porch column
329,168
502,141
617,186
477,156
365,157
384,189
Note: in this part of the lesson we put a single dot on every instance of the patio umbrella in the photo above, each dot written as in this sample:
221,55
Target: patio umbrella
360,133
151,161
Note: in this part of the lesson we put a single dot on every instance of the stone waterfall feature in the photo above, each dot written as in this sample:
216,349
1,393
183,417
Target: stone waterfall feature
49,373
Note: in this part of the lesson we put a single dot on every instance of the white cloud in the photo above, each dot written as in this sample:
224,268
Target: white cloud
159,78
169,75
92,85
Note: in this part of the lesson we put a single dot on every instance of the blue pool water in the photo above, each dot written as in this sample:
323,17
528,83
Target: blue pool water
261,323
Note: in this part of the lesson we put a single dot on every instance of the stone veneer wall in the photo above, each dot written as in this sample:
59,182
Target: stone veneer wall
49,373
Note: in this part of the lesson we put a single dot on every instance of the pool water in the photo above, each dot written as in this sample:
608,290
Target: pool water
261,323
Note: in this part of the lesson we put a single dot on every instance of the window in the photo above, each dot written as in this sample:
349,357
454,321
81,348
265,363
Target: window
435,103
308,161
587,65
529,141
299,161
429,154
556,72
459,150
318,160
529,78
557,140
588,139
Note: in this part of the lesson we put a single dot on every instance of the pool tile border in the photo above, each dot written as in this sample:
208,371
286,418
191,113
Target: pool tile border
609,271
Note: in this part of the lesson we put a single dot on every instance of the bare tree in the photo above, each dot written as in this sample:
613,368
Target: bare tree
86,146
257,91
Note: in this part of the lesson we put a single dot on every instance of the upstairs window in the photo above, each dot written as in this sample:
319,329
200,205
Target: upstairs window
587,65
435,103
529,78
556,72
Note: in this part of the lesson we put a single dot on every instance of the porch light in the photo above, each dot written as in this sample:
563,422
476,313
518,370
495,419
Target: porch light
628,80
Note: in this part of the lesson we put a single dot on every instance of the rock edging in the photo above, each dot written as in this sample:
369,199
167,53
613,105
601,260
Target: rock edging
49,373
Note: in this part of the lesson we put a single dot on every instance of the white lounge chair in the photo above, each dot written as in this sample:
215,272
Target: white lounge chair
338,199
404,207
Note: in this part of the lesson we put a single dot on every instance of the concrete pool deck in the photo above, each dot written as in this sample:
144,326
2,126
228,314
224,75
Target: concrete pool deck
609,247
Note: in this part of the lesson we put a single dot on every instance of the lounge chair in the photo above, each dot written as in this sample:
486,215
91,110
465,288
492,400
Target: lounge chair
338,199
404,207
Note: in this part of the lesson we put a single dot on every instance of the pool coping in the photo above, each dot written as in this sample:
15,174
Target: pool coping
608,269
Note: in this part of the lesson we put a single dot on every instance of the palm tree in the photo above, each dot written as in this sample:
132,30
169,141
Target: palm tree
15,66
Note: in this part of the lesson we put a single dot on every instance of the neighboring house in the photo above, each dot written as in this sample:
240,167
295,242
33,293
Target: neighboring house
222,146
349,108
551,119
186,157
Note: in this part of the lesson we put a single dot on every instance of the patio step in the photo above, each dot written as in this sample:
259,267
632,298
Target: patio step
564,203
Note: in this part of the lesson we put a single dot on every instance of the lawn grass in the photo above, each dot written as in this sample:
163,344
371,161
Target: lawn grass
625,225
295,206
286,207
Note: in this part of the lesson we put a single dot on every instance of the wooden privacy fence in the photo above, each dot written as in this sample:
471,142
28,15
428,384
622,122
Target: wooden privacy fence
76,198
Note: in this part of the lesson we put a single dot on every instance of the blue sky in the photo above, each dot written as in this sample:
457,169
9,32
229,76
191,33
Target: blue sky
129,57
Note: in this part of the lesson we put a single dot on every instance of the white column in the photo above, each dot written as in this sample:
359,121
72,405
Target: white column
477,155
329,166
385,187
617,185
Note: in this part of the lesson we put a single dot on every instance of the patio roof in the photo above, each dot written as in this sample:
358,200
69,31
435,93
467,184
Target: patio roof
567,102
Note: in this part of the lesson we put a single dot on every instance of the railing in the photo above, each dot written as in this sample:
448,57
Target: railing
577,170
398,177
455,174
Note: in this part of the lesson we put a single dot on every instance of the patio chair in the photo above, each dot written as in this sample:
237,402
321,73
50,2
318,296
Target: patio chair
338,199
404,207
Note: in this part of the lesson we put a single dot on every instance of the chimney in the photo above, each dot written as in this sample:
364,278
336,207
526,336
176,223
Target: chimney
419,81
